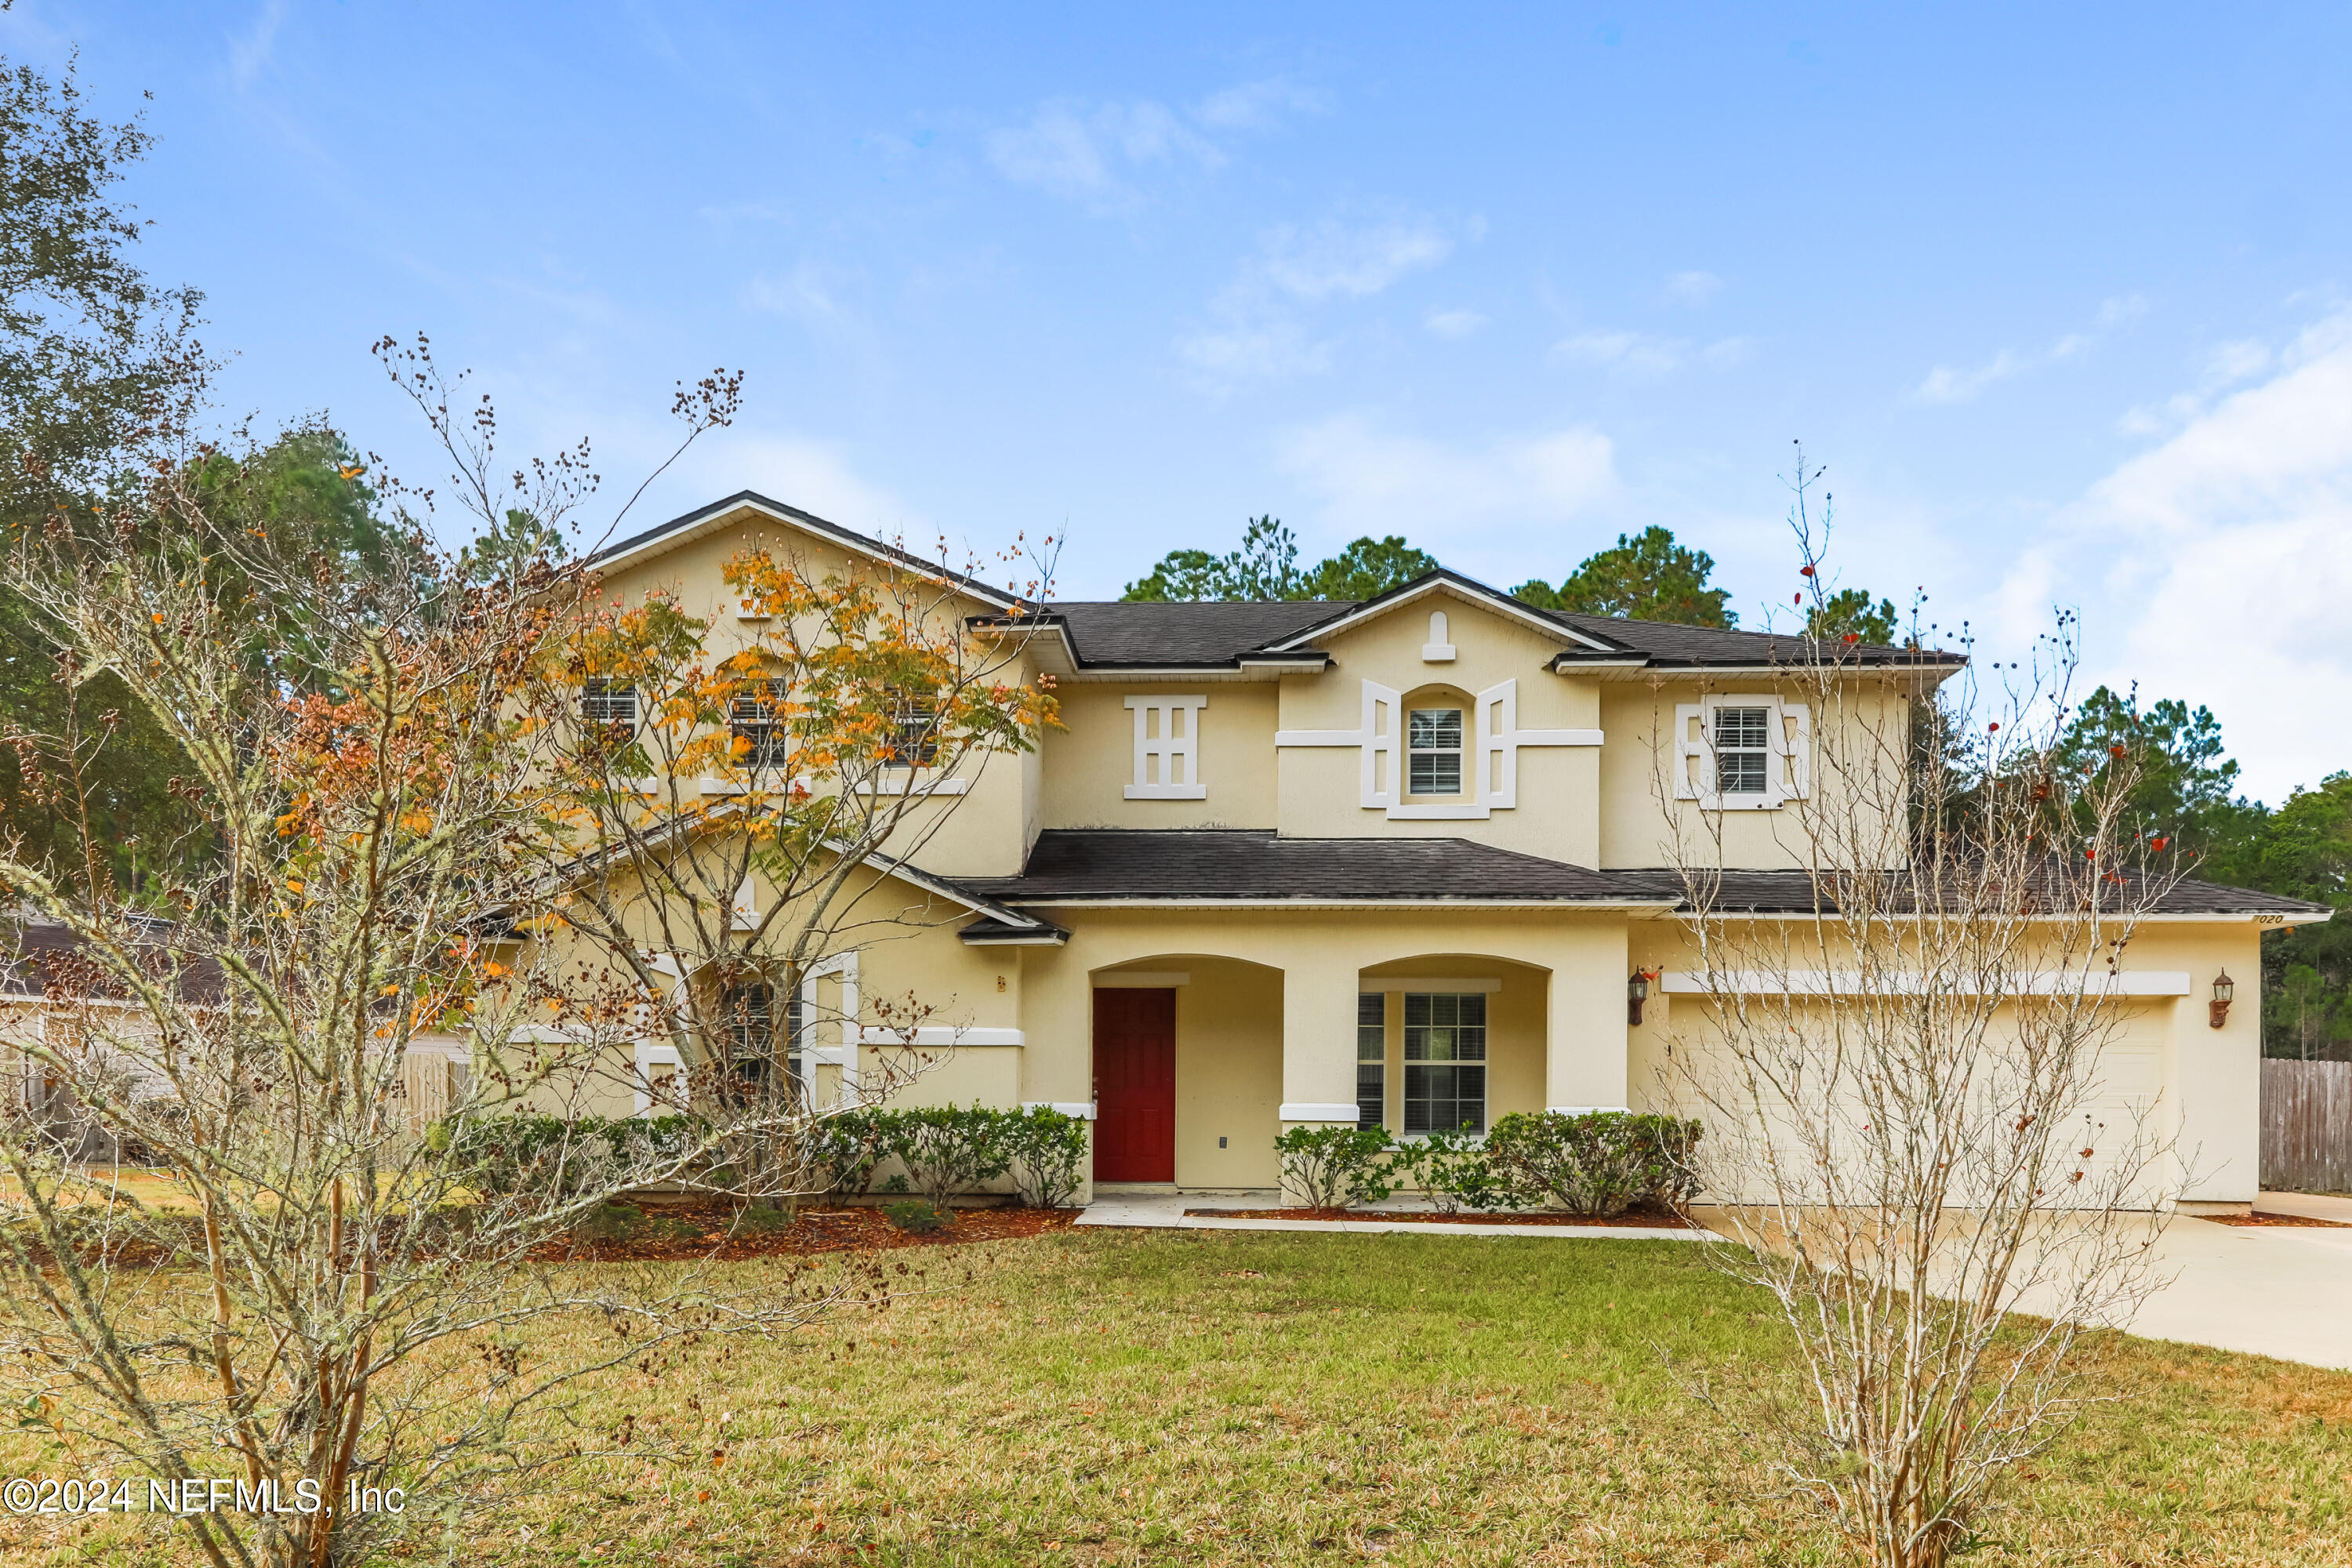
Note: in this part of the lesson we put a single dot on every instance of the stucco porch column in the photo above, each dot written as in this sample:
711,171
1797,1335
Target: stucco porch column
1585,1050
1318,1037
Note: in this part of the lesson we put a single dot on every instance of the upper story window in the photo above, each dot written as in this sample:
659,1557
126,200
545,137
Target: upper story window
1742,750
1434,752
914,732
608,704
1167,748
752,720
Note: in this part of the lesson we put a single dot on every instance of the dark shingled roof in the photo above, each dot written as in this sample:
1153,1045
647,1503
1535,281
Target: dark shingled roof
1111,635
1078,865
1253,863
1210,633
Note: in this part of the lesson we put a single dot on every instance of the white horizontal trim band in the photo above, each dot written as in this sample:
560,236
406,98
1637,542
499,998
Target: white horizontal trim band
938,1035
1554,737
1084,1109
1167,791
1850,982
1317,1110
1319,737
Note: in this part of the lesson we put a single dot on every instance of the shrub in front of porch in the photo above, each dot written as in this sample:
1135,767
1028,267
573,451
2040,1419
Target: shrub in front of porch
1597,1163
1335,1167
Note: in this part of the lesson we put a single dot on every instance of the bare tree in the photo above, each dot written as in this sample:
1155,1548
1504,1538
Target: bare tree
310,1298
1908,1056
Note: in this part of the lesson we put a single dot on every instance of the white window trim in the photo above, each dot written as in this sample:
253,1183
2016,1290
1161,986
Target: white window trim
1179,755
1490,759
1788,773
650,1057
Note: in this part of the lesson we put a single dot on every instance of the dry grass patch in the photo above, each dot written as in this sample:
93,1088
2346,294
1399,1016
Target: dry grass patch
1245,1398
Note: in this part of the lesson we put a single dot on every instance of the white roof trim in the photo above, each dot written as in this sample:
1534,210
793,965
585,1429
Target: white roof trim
695,525
1468,591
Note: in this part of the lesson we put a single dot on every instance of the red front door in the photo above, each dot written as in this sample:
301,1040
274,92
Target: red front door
1135,1085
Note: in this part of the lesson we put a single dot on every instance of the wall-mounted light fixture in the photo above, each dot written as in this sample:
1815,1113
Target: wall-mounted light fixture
1637,991
2223,990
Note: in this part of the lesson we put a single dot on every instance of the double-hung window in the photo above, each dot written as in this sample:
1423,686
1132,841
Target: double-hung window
1444,1062
755,1052
608,705
754,722
1372,1058
1743,749
914,732
1434,752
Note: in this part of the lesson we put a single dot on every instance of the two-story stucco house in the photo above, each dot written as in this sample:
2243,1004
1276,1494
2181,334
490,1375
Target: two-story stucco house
1391,863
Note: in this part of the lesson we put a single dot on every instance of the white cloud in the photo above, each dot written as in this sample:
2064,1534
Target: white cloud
250,53
1084,154
1260,331
2234,362
1260,105
1634,351
1369,479
1944,384
1692,289
814,475
1454,325
2217,566
1331,258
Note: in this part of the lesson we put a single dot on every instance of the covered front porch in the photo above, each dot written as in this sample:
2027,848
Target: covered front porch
1198,1039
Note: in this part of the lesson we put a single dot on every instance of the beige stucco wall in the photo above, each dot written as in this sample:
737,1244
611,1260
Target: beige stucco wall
1641,822
2193,1087
1090,761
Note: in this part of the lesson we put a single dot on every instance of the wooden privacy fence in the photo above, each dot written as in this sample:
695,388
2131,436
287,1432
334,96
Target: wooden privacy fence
2307,1126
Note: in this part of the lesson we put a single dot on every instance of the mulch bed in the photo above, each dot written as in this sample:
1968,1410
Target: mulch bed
682,1231
1645,1218
2265,1219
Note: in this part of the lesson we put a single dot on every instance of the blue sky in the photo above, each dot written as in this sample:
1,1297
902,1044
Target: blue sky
2061,297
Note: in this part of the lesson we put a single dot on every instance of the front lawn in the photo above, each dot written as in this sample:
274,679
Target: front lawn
1249,1397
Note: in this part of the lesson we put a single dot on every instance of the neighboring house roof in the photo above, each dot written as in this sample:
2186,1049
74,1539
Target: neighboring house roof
1080,866
39,957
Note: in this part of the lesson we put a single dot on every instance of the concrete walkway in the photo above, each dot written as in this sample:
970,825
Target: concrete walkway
1165,1211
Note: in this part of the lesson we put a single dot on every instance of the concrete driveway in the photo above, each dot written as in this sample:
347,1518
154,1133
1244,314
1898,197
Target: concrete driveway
2283,1291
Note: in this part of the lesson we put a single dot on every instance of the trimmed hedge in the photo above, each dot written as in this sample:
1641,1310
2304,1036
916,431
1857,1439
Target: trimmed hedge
1599,1163
945,1150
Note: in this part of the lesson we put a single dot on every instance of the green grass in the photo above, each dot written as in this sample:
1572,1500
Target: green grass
1237,1397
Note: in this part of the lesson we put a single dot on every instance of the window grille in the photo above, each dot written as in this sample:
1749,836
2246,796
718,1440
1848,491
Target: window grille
1434,746
1444,1062
608,704
1372,1059
914,734
1742,750
752,721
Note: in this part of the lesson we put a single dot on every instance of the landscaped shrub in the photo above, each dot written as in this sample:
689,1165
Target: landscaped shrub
556,1157
1335,1167
949,1150
1455,1171
1598,1162
846,1146
1048,1152
916,1216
